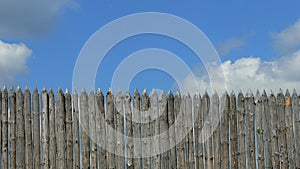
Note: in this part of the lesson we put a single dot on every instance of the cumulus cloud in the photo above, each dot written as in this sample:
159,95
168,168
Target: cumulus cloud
19,18
249,73
13,59
288,40
227,46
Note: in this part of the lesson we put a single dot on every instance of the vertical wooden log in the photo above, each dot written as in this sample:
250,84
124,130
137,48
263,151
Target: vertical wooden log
20,129
110,129
45,129
216,131
69,135
179,130
52,130
146,130
198,131
154,131
259,131
84,125
282,130
28,131
233,132
101,133
136,125
76,142
13,133
60,128
36,128
4,116
225,107
250,128
129,131
92,130
189,132
267,131
241,131
0,126
164,132
295,106
207,130
120,156
289,130
172,136
274,131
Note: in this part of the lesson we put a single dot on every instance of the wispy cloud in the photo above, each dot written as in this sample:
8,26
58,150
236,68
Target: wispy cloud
227,46
13,60
288,40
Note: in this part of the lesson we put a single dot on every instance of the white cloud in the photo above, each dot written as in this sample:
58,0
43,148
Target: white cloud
288,40
250,73
227,46
13,59
19,18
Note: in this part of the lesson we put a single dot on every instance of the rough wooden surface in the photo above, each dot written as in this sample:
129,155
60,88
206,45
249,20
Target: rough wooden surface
60,132
76,138
164,132
179,131
225,106
146,133
52,127
241,130
45,129
119,111
172,136
274,131
111,163
92,130
136,125
233,132
13,132
4,116
154,130
20,129
207,130
250,129
259,130
84,124
295,106
129,131
216,131
266,130
69,131
28,131
36,128
189,132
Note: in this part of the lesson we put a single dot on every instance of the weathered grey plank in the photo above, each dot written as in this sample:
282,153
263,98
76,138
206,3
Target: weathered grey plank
207,131
111,163
36,128
171,126
146,133
250,129
189,132
52,131
179,130
136,125
259,130
154,130
216,126
267,130
225,107
129,131
120,160
28,131
13,133
289,130
20,129
282,130
274,131
295,106
241,131
101,133
60,115
76,139
45,129
163,129
69,133
233,131
4,116
84,125
92,130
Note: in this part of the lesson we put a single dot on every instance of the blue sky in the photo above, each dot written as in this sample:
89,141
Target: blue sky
258,41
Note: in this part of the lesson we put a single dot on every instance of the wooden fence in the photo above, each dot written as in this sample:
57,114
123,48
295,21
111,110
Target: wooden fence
64,130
